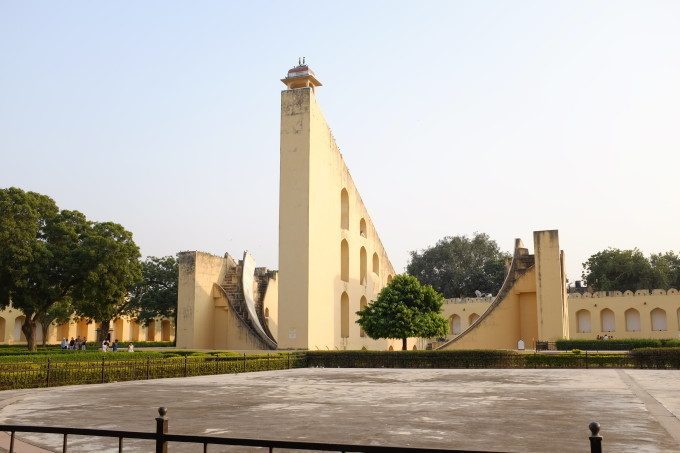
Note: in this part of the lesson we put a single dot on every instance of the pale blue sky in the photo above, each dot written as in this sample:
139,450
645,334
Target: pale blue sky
502,117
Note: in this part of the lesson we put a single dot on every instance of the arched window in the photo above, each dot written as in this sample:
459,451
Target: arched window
2,329
344,315
632,320
165,330
151,331
376,264
658,319
454,324
362,304
472,318
389,278
344,261
607,323
134,331
362,227
344,210
362,266
583,321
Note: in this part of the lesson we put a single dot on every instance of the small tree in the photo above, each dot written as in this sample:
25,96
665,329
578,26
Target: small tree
404,309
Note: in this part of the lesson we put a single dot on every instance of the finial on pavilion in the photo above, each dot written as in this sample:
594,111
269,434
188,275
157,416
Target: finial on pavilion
301,76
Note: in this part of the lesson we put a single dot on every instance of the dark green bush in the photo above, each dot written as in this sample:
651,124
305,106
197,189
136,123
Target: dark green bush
415,359
611,345
662,358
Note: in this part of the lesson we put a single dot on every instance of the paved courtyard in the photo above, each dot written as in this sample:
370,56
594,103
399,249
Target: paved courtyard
506,410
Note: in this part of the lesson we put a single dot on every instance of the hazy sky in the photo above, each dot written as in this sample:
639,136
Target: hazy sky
454,117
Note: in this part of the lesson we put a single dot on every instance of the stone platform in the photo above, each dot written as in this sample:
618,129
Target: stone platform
504,410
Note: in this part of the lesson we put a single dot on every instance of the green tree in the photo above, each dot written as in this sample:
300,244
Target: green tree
404,308
156,294
112,259
458,266
38,263
619,270
666,269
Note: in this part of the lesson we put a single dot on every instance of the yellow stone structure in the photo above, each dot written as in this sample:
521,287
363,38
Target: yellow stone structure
122,329
533,305
331,260
332,263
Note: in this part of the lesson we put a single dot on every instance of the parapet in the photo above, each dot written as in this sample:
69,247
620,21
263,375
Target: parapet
638,293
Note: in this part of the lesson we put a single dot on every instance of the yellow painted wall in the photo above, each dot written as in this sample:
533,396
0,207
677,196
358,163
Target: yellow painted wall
551,301
313,174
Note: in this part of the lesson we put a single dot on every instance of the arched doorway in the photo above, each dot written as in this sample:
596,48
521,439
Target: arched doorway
583,321
344,315
607,322
632,320
166,330
151,331
18,335
455,324
658,319
472,318
362,304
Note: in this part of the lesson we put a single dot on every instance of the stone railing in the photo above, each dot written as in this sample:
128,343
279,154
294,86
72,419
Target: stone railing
468,300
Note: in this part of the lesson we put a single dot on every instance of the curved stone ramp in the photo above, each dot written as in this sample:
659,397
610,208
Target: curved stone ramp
239,308
519,273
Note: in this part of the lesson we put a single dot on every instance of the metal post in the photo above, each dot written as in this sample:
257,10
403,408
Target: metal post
11,443
120,445
244,362
63,449
216,365
161,430
268,365
185,366
102,371
288,360
148,364
47,378
595,438
586,359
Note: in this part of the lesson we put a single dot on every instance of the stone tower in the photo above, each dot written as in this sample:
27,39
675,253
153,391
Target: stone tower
331,261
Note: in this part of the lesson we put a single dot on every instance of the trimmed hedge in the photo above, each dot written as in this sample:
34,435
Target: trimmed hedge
614,345
662,358
415,359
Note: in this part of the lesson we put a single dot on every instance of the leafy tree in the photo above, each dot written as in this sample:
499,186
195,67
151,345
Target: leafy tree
666,269
59,313
458,266
404,308
112,259
619,270
156,294
38,264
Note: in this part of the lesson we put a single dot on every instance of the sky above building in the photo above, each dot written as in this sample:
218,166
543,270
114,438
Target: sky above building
453,117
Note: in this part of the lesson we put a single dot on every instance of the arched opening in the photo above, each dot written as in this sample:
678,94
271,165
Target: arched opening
472,318
134,331
2,329
344,261
607,323
118,329
81,329
38,332
63,331
455,325
632,320
344,315
362,227
658,319
166,330
362,304
266,312
18,335
389,278
583,321
151,331
344,209
362,266
678,315
376,264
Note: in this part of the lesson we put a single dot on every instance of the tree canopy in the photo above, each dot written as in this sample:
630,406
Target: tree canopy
457,266
404,308
622,270
53,262
156,294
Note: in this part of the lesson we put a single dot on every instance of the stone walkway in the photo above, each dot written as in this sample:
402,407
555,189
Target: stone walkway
504,410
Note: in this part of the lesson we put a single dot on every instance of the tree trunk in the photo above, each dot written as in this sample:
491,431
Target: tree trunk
403,344
28,328
45,331
104,330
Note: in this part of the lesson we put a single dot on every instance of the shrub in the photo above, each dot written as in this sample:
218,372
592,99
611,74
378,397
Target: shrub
656,357
415,359
608,345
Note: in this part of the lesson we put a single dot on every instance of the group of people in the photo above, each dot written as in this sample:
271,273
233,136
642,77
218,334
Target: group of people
79,344
605,337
